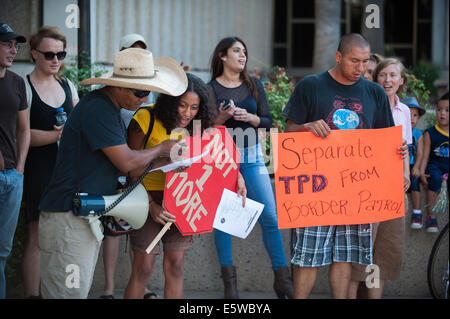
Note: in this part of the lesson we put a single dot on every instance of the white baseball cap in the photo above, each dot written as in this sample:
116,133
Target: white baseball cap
130,39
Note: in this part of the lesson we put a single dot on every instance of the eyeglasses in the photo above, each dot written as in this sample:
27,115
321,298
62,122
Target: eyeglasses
51,55
140,94
10,45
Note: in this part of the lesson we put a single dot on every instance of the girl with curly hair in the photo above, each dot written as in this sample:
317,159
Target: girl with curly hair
170,113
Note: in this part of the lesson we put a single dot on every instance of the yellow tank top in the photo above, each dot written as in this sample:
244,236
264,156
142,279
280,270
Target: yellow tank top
154,181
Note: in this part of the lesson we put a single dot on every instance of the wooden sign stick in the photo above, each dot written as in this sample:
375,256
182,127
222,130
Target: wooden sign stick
158,237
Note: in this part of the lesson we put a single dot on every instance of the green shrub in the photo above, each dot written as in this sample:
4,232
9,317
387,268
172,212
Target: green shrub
85,70
428,73
278,88
416,87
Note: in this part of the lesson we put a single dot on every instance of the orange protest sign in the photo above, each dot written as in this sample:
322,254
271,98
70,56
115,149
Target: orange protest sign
351,177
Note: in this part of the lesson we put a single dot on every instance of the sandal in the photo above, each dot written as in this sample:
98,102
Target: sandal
151,295
106,297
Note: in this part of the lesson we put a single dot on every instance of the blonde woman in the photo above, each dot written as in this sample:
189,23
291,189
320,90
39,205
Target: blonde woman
389,236
46,91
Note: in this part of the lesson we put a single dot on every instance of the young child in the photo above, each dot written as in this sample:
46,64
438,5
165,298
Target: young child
415,156
435,159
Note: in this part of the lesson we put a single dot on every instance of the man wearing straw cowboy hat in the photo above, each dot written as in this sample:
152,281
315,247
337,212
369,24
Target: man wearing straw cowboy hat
93,151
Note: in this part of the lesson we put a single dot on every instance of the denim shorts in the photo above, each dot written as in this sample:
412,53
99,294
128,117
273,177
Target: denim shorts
324,245
415,184
435,171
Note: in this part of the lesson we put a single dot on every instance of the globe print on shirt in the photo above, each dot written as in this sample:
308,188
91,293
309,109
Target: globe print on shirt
442,150
345,112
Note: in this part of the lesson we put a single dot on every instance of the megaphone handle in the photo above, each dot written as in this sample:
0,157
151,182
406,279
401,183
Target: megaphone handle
95,223
158,237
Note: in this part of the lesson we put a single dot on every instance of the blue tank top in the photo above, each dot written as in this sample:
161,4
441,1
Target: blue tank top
439,145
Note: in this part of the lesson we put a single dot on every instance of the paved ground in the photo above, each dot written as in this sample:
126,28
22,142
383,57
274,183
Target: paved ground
242,294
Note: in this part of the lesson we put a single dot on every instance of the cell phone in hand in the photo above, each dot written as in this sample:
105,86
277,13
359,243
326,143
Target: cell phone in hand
226,106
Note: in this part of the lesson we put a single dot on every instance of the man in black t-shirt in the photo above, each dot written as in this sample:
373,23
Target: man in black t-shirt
336,99
14,143
93,151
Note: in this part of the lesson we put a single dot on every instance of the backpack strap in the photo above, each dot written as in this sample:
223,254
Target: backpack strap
149,132
150,127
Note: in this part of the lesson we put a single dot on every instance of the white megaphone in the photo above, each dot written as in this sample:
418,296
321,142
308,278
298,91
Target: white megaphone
133,208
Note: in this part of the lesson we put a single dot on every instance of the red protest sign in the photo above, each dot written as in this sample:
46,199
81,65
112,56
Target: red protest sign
194,195
352,177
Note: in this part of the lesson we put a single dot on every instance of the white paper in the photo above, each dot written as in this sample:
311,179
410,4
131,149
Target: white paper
186,162
234,219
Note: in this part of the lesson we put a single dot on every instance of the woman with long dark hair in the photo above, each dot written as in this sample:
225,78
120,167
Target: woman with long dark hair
242,108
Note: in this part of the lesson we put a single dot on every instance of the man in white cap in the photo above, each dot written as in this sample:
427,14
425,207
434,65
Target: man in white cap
14,143
93,151
133,40
111,243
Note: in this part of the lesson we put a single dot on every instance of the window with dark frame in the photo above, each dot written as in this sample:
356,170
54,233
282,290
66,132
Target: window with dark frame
294,31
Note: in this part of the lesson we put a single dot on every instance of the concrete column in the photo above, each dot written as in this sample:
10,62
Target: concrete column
54,14
440,30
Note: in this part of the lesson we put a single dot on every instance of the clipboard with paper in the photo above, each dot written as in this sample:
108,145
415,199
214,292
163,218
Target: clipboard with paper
234,219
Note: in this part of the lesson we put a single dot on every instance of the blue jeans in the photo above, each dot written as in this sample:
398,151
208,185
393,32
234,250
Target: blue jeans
259,188
11,186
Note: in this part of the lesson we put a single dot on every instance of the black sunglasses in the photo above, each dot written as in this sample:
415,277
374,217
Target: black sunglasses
51,55
140,94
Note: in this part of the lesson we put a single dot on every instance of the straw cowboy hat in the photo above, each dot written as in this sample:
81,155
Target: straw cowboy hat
137,69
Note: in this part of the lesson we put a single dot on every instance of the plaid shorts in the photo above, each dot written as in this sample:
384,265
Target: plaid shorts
324,245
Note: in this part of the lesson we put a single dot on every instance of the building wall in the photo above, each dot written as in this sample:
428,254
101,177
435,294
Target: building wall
440,40
24,18
185,30
54,13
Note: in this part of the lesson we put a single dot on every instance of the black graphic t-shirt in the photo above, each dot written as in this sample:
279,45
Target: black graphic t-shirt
92,126
362,105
